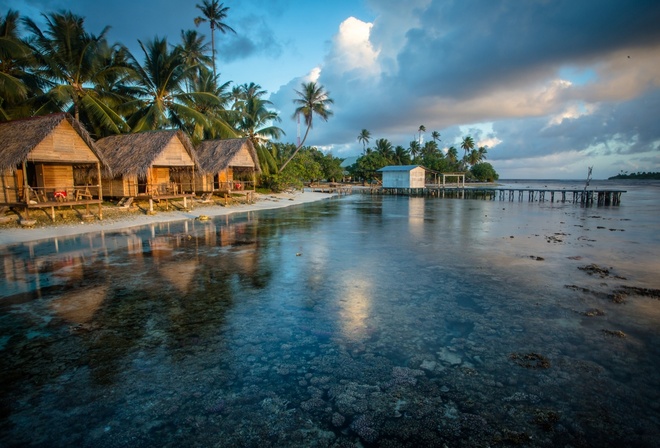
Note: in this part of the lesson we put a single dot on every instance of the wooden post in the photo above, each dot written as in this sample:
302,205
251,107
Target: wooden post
100,183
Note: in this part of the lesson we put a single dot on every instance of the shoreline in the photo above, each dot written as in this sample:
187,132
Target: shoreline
15,235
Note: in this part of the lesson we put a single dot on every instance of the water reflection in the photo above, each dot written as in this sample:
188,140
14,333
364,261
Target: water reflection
373,321
355,306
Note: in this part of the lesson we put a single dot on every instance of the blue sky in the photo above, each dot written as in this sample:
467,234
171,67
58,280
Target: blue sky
551,87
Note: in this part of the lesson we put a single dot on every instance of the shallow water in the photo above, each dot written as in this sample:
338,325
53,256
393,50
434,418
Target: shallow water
381,321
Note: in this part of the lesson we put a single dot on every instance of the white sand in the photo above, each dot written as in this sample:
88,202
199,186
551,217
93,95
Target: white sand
262,202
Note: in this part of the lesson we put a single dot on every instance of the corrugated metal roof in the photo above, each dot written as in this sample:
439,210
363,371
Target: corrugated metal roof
400,168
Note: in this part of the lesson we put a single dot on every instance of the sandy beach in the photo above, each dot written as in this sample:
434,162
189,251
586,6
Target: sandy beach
120,220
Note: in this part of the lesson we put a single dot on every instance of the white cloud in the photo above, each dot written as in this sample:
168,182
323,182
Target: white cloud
571,111
561,96
352,50
313,75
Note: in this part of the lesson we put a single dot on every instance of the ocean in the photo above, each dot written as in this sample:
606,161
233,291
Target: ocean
355,321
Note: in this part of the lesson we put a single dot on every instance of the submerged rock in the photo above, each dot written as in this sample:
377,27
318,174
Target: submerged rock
449,357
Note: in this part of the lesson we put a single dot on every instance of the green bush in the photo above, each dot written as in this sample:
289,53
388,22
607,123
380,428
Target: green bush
484,172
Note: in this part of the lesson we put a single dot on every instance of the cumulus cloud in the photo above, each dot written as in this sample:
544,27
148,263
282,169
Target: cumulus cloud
448,64
352,51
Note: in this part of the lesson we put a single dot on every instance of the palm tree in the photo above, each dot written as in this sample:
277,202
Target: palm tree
214,13
194,51
385,149
364,137
15,61
256,119
251,90
435,135
483,150
473,157
220,122
430,149
467,144
115,87
401,155
422,129
313,100
414,148
69,60
162,101
452,154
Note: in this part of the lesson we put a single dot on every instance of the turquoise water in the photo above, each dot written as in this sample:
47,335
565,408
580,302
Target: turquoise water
372,321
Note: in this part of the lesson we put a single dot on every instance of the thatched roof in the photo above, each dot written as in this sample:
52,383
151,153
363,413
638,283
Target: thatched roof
129,154
19,137
216,155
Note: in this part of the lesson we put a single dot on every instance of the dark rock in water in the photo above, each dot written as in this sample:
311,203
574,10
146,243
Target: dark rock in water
634,290
530,360
618,333
592,269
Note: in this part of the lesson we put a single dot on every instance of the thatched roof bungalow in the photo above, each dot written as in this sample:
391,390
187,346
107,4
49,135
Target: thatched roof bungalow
226,165
47,158
149,163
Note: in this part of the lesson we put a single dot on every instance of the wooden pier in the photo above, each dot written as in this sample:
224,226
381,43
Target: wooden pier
334,188
582,196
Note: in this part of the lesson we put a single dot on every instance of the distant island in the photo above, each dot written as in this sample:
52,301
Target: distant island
639,175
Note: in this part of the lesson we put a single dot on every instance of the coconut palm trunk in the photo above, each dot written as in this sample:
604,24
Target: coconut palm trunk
312,99
214,12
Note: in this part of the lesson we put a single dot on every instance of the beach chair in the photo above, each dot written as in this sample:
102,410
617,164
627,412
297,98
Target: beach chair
125,203
32,196
83,194
206,198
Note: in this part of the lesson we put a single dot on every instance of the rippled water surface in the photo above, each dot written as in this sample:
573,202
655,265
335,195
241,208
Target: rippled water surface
360,321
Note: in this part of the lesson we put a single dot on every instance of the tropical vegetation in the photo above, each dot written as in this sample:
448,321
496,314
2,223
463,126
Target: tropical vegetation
638,175
428,154
63,67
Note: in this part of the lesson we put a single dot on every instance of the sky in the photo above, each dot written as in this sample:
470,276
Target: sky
550,87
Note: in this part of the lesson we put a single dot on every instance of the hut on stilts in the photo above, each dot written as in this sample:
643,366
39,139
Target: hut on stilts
154,165
48,162
227,167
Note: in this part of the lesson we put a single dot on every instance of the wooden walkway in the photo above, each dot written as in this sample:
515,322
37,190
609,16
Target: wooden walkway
333,188
585,197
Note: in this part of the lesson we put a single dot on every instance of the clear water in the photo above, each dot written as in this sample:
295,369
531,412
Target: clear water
360,321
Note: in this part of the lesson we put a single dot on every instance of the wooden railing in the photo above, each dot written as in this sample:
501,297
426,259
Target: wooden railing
162,188
235,185
36,195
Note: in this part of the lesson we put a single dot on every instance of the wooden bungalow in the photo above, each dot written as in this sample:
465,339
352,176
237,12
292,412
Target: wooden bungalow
227,166
47,162
156,165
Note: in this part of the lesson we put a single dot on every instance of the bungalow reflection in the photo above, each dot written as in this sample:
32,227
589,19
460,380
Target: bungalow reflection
31,276
79,306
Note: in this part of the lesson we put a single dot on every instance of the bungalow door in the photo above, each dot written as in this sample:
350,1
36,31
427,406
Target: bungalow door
160,178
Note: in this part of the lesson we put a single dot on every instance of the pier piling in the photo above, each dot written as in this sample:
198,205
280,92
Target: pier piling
583,197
